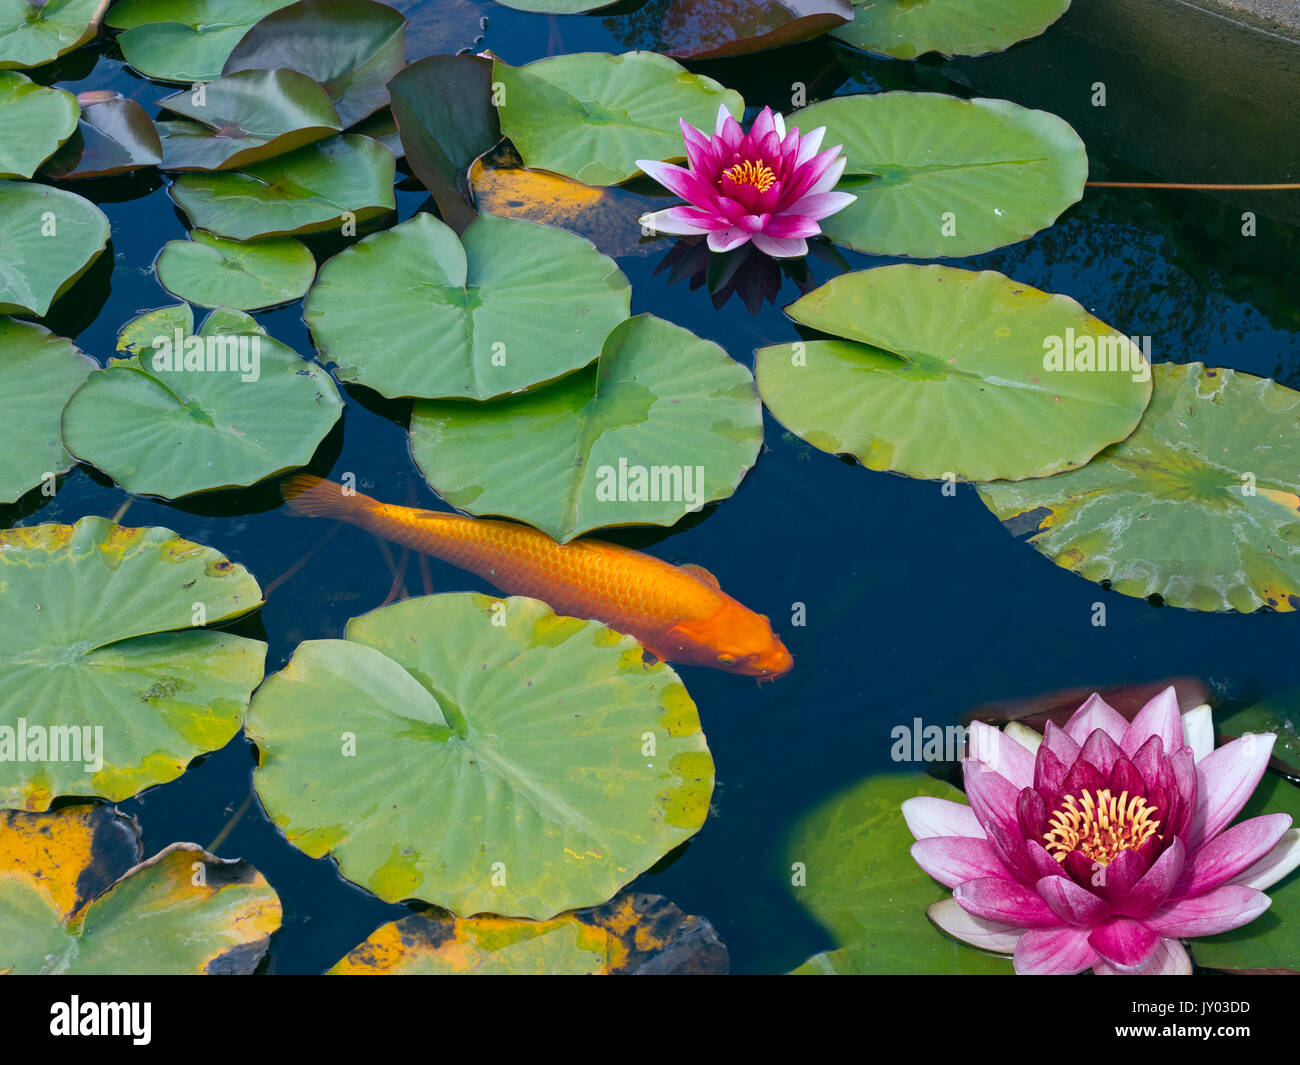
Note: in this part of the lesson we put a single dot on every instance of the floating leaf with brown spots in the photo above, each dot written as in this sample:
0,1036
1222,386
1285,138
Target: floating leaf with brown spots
632,934
105,687
1200,506
481,754
76,900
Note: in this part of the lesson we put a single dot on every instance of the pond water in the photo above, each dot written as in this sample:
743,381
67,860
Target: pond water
918,604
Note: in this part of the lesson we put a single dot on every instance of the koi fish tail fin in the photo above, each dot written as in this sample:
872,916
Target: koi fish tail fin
316,497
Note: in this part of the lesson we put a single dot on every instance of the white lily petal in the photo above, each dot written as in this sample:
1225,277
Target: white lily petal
1024,735
779,120
987,935
1198,731
1277,863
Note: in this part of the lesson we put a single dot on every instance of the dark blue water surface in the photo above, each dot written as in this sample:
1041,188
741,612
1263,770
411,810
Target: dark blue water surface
918,604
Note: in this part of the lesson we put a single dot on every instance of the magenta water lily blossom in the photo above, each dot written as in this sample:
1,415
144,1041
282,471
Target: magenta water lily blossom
770,186
1106,847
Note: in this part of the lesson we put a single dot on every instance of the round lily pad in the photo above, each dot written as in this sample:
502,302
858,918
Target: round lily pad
243,118
114,135
591,116
213,272
1200,506
323,186
663,423
35,120
32,35
949,373
936,176
352,47
904,29
223,408
184,40
38,372
183,912
51,237
101,693
484,755
414,311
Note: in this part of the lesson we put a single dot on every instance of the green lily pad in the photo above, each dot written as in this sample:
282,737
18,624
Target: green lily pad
32,35
182,912
244,118
36,120
910,393
100,691
114,135
863,886
1272,940
663,423
322,186
512,305
905,29
185,40
591,116
213,272
51,238
1278,714
482,754
352,47
632,934
1199,506
936,176
38,372
443,108
227,410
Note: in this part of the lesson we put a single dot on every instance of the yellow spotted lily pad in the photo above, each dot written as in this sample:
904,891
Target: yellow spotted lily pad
481,754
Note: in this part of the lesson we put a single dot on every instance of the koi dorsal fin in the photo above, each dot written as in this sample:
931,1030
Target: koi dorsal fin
701,574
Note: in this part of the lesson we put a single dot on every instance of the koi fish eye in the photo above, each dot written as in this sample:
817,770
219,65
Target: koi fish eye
727,660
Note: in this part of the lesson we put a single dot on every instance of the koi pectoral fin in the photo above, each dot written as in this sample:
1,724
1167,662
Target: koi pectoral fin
701,574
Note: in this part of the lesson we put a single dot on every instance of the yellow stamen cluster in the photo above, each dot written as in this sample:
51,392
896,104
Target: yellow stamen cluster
1100,826
759,175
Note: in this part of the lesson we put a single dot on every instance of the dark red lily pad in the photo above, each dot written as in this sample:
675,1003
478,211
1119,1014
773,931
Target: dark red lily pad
1057,706
114,135
715,29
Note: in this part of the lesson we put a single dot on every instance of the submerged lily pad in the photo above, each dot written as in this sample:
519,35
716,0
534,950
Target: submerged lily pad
32,34
713,29
38,372
101,693
243,118
663,423
35,120
182,912
862,885
936,176
184,40
591,116
223,408
213,272
323,186
905,29
510,306
114,135
1200,506
1279,714
352,47
632,934
443,108
51,238
482,754
908,392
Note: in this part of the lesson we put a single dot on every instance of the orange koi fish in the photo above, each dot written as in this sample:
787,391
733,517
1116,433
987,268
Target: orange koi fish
678,613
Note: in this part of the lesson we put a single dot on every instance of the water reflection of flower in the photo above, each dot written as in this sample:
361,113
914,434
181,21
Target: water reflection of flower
745,272
1108,845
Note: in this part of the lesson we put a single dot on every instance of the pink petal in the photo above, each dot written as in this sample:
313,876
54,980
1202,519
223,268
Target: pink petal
1159,717
987,935
791,226
996,899
1001,754
809,145
779,247
725,239
679,181
1071,903
991,795
1151,891
721,123
1220,910
1124,942
1225,779
763,125
928,816
953,860
1168,959
1101,751
1232,852
1061,744
672,222
1054,952
830,176
1280,861
1095,713
821,204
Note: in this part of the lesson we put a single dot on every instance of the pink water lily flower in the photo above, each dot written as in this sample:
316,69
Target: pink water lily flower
1106,847
768,185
